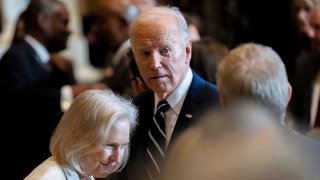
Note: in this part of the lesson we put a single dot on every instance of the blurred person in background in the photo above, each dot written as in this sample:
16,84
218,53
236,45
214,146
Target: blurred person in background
34,91
194,25
206,55
144,5
300,16
306,85
108,41
108,30
257,72
243,141
56,59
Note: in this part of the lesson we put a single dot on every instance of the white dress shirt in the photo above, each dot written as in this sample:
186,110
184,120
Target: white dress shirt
175,101
315,100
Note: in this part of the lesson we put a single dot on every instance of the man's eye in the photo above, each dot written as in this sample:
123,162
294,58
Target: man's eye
123,146
145,53
164,51
109,146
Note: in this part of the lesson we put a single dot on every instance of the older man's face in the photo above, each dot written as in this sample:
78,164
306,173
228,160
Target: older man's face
162,55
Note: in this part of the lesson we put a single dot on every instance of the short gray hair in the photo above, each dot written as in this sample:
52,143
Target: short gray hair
162,12
256,72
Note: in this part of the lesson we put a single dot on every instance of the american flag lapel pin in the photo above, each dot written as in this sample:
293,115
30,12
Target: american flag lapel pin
189,116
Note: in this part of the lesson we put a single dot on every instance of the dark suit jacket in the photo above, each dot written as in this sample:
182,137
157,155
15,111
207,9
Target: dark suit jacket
30,97
201,97
307,67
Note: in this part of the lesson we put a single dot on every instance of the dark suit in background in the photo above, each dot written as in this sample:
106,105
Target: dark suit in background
307,68
31,89
30,97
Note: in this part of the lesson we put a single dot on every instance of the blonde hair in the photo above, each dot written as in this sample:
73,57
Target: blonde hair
86,124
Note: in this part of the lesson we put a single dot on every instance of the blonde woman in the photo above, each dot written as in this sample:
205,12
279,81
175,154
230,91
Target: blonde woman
91,140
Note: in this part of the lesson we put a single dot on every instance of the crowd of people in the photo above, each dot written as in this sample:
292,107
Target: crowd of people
172,103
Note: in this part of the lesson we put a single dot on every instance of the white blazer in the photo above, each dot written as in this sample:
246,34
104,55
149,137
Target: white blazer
51,170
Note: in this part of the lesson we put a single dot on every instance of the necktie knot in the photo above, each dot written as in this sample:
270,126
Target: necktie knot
162,107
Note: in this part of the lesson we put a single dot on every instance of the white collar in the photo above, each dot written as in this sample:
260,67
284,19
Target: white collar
41,51
177,97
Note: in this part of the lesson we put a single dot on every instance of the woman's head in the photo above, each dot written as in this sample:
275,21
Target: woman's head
93,135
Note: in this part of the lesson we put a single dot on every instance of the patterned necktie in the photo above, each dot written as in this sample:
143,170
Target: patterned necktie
157,141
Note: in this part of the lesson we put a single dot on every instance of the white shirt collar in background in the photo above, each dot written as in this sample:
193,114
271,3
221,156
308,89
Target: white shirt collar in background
41,51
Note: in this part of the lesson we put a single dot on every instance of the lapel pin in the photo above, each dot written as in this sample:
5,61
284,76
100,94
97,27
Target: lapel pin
189,116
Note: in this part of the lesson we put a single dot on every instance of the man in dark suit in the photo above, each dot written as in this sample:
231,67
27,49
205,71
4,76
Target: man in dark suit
34,91
162,50
306,84
307,68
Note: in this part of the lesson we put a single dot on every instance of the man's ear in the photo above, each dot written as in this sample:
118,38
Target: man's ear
188,52
289,92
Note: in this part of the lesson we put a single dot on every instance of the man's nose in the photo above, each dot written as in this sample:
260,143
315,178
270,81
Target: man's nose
155,61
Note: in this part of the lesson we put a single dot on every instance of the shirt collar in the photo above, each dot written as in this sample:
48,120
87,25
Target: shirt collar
41,51
177,97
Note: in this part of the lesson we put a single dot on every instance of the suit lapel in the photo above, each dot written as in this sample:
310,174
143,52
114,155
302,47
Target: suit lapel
34,58
190,110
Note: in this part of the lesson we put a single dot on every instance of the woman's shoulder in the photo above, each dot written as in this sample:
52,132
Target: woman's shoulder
48,169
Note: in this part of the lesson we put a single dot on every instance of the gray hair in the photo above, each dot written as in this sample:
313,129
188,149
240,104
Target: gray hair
256,72
160,12
87,123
